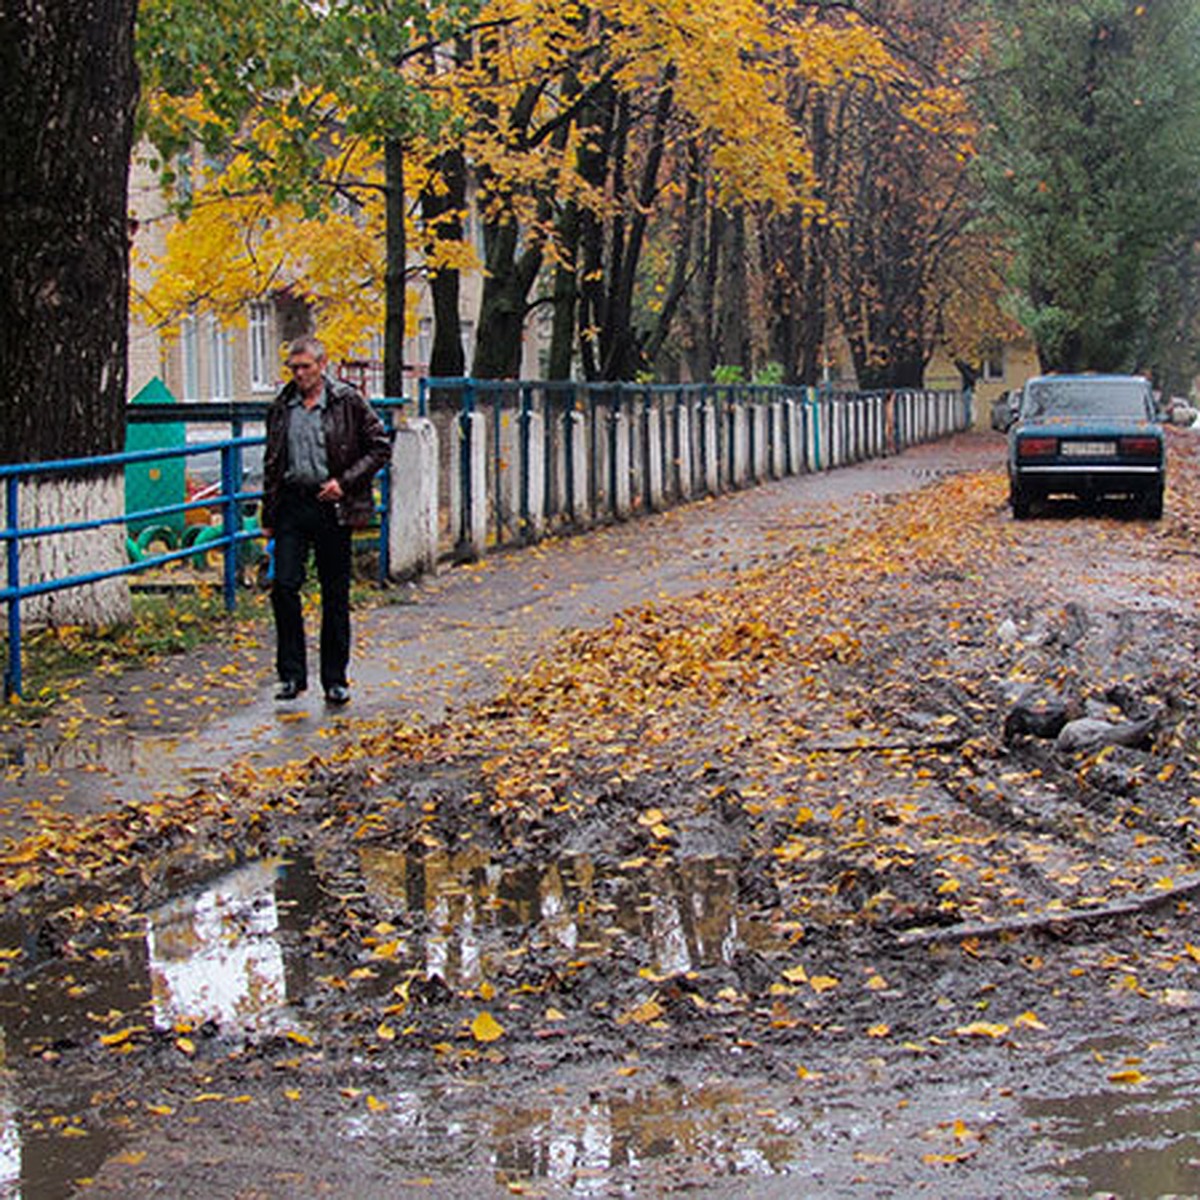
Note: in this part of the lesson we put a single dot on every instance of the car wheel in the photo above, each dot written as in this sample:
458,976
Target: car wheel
1020,500
1152,504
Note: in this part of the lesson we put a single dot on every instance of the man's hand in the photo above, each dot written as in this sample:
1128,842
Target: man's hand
330,490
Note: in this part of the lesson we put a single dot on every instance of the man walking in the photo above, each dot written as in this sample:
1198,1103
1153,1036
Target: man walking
324,446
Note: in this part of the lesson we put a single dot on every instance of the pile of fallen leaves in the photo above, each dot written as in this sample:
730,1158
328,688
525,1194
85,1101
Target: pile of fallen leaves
846,705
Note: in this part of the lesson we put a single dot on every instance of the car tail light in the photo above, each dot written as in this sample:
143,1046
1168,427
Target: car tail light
1140,447
1037,447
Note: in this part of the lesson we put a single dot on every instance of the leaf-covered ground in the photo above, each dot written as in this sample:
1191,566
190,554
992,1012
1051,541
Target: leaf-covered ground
781,835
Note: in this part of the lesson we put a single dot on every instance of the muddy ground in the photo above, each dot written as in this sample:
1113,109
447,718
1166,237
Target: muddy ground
772,889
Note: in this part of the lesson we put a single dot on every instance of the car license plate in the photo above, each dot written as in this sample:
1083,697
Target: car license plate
1088,449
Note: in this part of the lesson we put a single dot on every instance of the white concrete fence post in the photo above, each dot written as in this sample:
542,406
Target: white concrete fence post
654,457
413,515
739,437
759,415
683,450
474,535
708,425
575,432
535,475
622,466
778,456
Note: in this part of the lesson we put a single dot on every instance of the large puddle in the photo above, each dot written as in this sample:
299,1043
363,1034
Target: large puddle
235,956
1131,1140
231,956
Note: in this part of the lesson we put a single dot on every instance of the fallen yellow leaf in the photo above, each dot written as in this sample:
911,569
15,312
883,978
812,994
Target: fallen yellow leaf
982,1029
119,1037
1132,1076
647,1011
485,1028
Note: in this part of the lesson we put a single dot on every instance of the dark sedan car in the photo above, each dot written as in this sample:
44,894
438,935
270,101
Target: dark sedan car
1090,436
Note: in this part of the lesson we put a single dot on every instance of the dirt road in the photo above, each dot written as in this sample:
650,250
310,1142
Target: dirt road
734,853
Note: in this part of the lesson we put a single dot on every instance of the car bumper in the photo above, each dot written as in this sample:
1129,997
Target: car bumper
1091,480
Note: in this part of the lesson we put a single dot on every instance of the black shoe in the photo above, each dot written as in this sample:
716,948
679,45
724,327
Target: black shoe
338,694
289,689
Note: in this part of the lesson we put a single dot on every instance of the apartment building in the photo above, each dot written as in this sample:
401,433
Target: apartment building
205,359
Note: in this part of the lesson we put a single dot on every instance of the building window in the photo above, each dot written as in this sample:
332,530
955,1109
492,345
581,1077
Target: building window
189,353
262,365
220,359
993,365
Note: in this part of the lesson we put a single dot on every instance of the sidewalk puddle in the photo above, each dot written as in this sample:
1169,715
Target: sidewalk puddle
232,956
1135,1139
232,952
586,1147
474,917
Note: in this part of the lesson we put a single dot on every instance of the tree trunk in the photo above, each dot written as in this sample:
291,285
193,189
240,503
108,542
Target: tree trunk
505,300
395,278
622,354
598,120
562,328
68,89
733,311
442,211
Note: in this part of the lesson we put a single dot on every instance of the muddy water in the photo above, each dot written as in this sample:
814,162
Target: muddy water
233,958
1133,1140
229,958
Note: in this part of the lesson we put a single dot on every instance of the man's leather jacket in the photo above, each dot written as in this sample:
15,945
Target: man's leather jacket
356,446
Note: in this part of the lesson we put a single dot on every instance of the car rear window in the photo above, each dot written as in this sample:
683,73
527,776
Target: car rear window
1127,398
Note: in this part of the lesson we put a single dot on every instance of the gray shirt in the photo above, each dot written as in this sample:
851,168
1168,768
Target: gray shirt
307,464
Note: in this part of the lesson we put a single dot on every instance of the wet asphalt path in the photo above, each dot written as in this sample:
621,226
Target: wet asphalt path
451,640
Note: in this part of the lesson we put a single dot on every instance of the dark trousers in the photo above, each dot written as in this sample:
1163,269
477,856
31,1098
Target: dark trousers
303,524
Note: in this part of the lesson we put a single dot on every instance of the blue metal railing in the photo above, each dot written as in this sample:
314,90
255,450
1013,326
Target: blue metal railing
644,445
229,503
604,450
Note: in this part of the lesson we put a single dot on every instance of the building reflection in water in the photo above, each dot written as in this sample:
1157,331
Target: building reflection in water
216,956
465,914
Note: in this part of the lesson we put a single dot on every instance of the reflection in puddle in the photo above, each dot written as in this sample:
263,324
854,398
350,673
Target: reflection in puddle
1137,1142
586,1148
42,1154
213,955
468,914
216,956
233,953
583,1146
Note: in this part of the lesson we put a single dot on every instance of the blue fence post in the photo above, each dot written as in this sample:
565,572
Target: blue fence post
12,672
385,506
466,411
524,420
230,525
